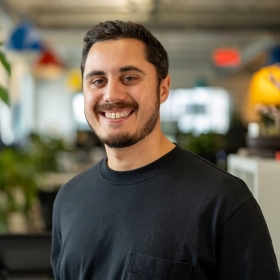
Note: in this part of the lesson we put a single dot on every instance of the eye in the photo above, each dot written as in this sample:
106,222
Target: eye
129,79
97,82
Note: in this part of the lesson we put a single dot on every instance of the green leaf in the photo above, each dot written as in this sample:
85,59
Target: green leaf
5,63
4,95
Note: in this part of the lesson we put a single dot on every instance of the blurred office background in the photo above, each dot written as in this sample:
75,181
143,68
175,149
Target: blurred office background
223,105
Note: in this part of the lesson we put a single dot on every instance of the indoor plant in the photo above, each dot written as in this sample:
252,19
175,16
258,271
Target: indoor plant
18,183
4,96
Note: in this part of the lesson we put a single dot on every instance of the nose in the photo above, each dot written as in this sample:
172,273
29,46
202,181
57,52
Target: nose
114,92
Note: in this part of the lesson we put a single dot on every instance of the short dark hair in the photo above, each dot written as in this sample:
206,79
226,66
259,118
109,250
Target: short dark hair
113,30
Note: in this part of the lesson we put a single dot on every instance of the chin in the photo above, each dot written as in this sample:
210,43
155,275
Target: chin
121,141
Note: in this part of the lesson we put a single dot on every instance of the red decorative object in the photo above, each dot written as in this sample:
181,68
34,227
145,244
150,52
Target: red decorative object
48,66
47,57
277,155
226,58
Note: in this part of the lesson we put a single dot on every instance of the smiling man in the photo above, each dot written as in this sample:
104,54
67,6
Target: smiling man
123,92
150,209
118,82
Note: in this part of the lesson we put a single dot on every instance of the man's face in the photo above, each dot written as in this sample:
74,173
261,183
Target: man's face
121,92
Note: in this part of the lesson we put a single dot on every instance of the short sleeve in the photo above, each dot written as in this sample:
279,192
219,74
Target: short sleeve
244,246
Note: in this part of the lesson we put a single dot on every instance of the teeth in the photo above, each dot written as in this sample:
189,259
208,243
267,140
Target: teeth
117,115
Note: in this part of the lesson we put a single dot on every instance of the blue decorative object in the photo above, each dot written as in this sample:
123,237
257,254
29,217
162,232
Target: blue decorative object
25,37
274,56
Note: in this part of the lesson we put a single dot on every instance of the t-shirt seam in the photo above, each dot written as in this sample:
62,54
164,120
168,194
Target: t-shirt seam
147,178
236,207
225,172
148,274
56,223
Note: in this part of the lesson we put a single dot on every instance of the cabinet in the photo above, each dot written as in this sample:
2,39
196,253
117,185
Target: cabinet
262,175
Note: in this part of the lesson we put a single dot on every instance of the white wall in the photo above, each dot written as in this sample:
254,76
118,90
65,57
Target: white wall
53,108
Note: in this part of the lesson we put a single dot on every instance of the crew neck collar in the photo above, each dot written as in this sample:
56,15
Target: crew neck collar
142,173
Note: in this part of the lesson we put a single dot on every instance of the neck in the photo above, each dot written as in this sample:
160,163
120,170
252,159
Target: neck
151,148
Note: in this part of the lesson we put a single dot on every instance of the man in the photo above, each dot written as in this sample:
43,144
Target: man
149,210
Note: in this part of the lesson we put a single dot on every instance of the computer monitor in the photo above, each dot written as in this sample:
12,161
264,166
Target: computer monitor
198,110
25,256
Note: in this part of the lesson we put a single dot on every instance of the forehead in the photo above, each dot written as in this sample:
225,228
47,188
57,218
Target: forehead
114,52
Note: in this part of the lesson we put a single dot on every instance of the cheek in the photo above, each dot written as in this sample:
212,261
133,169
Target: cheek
143,93
146,96
90,99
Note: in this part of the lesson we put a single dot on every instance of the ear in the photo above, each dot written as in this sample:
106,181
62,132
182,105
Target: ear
164,89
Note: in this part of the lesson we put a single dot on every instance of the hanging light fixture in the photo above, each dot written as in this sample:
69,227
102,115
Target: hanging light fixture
225,57
48,66
74,80
25,37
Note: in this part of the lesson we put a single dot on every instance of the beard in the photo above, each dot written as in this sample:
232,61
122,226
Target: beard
126,139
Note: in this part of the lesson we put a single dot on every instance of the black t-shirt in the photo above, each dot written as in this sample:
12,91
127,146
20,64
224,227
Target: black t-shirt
179,217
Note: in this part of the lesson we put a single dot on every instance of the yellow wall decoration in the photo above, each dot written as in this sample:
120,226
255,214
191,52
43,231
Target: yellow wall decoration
74,80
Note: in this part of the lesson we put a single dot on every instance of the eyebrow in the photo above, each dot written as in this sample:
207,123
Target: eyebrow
121,70
94,73
129,68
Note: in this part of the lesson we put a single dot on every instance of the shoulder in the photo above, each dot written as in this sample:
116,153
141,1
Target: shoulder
72,191
202,172
81,179
209,184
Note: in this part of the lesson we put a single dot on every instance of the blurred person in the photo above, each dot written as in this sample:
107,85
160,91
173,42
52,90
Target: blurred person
150,209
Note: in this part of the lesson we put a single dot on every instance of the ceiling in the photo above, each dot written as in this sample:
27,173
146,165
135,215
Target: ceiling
154,13
189,29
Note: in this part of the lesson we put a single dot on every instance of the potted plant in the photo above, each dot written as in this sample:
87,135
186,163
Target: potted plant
18,184
206,145
22,168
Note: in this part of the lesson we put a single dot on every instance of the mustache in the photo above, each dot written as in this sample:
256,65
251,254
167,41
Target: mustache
98,108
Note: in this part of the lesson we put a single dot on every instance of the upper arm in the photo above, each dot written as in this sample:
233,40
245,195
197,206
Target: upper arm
56,248
244,246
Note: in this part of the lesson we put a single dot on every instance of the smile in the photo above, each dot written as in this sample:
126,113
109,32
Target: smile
117,115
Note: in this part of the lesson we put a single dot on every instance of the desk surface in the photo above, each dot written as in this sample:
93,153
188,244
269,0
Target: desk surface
25,255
